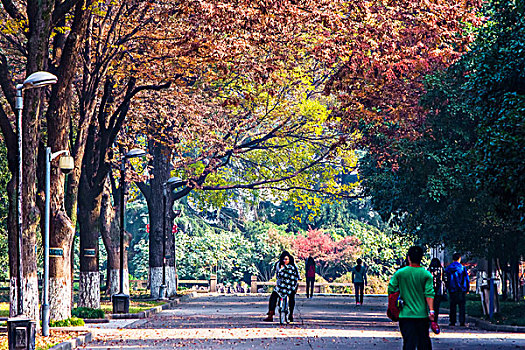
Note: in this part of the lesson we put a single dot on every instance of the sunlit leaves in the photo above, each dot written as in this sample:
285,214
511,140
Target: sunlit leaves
393,46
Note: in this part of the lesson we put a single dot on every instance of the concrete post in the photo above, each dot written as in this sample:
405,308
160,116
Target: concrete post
253,285
213,284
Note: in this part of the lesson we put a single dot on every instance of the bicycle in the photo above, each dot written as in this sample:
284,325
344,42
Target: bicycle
283,309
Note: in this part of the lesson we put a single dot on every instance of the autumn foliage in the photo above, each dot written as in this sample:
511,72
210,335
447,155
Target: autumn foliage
390,47
327,252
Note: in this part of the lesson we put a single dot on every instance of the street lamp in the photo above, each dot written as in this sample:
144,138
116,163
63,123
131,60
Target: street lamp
121,300
172,182
66,164
35,80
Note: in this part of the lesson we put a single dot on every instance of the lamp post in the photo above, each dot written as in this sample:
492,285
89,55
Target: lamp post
121,300
66,164
24,339
172,182
177,214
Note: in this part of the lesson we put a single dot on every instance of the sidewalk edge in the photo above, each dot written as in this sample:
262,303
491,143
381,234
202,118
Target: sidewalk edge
73,343
487,326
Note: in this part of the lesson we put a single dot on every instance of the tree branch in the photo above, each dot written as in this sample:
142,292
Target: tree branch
62,9
13,11
6,82
117,119
9,137
256,184
145,189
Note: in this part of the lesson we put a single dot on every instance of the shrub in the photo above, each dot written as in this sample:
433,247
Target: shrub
87,312
375,285
68,322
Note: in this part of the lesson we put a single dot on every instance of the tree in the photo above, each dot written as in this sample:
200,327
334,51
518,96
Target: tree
4,205
254,126
331,256
113,69
456,184
28,45
391,47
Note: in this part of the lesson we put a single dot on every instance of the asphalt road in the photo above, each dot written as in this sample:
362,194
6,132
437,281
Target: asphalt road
235,322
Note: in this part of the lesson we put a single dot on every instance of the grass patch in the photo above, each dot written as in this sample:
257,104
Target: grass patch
134,306
4,309
511,313
68,322
87,312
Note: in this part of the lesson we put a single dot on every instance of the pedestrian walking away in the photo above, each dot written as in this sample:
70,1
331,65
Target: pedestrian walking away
310,276
359,280
287,275
438,281
458,283
416,290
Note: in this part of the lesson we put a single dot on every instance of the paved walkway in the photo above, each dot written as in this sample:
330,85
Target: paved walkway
233,322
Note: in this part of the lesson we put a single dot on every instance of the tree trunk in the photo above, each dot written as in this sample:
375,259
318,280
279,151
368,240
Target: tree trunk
12,247
154,195
109,228
89,275
31,213
514,278
39,23
58,128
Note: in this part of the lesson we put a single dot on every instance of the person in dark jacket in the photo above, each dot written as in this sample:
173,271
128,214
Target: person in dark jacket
310,276
438,277
287,284
458,283
359,281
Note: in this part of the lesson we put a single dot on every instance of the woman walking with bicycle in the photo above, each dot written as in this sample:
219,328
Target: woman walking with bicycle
287,282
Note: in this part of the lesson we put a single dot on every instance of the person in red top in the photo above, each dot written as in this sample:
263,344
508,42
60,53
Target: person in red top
310,277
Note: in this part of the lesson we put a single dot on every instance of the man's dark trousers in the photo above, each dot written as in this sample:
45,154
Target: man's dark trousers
415,333
457,299
359,291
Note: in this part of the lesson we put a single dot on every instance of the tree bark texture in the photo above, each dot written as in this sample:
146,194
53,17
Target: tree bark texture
88,219
12,247
109,228
154,194
58,126
39,23
155,280
89,289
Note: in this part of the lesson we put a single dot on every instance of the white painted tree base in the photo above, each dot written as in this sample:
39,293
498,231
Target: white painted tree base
30,302
13,300
114,282
89,289
155,275
60,298
170,280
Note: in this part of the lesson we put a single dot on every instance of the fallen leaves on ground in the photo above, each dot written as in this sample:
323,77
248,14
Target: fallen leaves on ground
41,342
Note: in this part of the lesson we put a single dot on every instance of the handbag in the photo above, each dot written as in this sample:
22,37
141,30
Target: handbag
395,304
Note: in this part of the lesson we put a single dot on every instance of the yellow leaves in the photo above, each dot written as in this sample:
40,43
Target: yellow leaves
13,27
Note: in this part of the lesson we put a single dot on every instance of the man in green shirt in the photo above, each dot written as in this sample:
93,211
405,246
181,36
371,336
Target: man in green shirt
415,287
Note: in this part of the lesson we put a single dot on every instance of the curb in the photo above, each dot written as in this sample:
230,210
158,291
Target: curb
487,326
96,320
73,343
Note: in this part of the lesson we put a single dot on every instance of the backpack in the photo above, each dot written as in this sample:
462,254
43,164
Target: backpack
393,309
311,271
457,280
